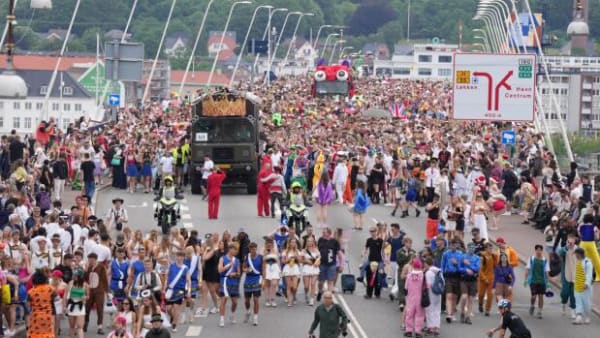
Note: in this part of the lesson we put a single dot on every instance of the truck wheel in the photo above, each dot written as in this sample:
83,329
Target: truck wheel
196,183
251,186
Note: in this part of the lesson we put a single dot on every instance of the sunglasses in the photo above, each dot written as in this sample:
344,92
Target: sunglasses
126,303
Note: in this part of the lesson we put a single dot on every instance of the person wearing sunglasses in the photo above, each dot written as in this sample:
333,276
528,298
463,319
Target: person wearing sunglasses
126,311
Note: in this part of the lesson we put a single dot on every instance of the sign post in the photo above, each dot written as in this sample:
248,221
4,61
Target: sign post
494,87
509,138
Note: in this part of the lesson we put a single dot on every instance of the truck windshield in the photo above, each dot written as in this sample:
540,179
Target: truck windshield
223,130
332,87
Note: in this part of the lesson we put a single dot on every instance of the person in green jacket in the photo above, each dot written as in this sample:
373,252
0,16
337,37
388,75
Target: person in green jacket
331,317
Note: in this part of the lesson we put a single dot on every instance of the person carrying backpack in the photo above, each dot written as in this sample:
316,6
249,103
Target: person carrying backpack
435,285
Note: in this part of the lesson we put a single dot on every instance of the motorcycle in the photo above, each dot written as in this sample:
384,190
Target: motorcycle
297,214
167,212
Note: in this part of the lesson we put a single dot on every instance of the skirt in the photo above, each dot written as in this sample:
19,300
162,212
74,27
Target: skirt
432,228
289,271
272,272
75,309
310,270
58,306
132,170
146,170
411,195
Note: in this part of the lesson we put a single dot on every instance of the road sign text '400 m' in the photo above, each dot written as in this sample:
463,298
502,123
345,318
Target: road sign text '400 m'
494,87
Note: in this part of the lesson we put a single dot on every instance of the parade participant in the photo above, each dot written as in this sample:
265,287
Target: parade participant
59,287
210,274
75,295
41,298
361,204
194,263
117,215
536,277
292,260
433,215
229,270
469,269
513,257
485,287
329,248
262,196
121,330
254,268
567,254
340,176
415,314
96,277
135,269
330,318
148,280
277,189
213,188
119,268
175,291
510,321
455,224
323,196
504,278
207,167
432,312
126,316
310,269
582,287
272,271
451,261
588,234
147,308
479,211
372,252
403,257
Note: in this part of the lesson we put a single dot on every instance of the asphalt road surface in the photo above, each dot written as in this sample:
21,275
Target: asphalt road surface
370,318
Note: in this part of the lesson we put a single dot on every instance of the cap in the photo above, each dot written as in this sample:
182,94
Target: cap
554,218
57,274
118,199
242,229
500,240
157,317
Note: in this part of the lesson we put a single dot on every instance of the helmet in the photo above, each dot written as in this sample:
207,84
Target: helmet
296,185
504,304
168,178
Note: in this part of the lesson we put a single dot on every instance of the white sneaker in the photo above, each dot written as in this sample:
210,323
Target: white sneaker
273,304
578,320
573,314
255,321
268,304
247,317
222,322
213,310
9,333
201,313
311,302
587,321
232,319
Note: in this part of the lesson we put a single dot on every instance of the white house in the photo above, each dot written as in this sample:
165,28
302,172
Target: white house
306,52
23,115
422,61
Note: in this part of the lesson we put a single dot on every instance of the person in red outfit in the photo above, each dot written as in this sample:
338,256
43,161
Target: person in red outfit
213,187
263,190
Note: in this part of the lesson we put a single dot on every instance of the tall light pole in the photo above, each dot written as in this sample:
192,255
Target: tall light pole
242,50
158,50
484,40
502,16
327,42
214,65
293,40
265,33
193,53
340,41
279,38
319,34
343,50
408,22
46,109
485,36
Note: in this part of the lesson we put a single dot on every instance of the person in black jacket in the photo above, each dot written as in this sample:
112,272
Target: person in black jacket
60,171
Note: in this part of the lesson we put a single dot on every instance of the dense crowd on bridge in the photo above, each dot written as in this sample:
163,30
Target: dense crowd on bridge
63,258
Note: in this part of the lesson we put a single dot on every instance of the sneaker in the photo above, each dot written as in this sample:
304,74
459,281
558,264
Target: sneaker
448,319
311,302
9,333
200,313
174,329
468,321
268,304
539,314
213,310
418,213
578,320
273,304
573,314
462,317
531,310
222,322
232,320
319,296
247,318
587,321
480,308
101,332
255,321
487,313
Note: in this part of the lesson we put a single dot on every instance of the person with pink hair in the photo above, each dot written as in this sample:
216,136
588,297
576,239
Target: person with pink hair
121,330
415,313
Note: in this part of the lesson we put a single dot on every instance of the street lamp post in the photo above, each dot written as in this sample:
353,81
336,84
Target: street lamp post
189,63
485,43
502,15
335,44
265,33
237,63
214,65
11,84
327,42
319,34
343,50
293,40
279,40
484,36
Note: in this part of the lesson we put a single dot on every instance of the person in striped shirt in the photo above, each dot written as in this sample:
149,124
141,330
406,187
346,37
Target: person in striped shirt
582,284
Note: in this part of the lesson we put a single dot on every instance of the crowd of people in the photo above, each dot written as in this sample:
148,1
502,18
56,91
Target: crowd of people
63,258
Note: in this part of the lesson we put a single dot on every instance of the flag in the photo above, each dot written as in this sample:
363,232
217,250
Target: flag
398,109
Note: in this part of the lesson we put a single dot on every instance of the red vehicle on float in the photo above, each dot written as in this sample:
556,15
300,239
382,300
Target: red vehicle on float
333,80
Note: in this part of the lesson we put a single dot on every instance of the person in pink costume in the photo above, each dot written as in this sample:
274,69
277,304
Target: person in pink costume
415,314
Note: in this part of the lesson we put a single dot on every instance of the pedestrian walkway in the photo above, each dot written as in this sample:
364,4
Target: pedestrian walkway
523,238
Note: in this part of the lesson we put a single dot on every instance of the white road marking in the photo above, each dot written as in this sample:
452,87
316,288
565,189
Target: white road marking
193,331
350,327
184,201
186,216
184,208
188,225
355,322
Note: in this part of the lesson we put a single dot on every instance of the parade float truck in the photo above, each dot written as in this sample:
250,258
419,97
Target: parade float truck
333,80
225,127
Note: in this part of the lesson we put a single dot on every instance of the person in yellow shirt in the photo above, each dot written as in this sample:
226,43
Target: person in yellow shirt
485,281
20,174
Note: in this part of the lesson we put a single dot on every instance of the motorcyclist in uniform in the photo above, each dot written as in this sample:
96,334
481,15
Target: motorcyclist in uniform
166,195
297,204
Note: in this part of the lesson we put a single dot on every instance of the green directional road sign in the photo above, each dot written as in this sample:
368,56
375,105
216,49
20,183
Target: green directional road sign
525,68
88,79
525,75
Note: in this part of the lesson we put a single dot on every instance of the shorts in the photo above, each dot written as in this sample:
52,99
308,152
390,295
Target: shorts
327,272
508,194
453,286
204,182
235,295
250,294
172,302
468,287
450,225
460,225
537,289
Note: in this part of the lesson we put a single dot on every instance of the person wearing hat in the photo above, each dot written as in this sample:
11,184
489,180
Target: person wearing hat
513,257
582,285
56,251
214,181
40,258
157,330
117,215
120,328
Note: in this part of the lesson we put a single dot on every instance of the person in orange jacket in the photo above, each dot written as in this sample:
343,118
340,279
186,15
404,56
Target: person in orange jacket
213,187
513,257
485,281
347,198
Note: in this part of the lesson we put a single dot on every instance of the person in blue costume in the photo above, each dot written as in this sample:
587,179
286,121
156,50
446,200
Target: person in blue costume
194,263
361,203
229,271
118,275
135,269
254,267
176,288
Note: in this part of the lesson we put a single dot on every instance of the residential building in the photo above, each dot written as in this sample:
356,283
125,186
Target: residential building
160,86
422,61
226,50
23,115
176,43
195,81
